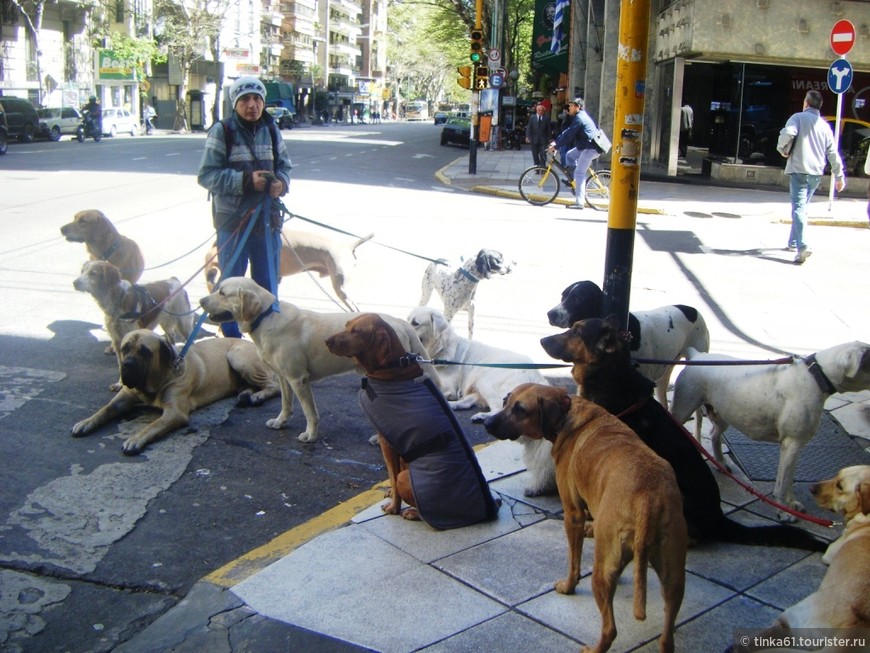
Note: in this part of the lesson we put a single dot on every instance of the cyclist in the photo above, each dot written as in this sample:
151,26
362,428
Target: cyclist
578,137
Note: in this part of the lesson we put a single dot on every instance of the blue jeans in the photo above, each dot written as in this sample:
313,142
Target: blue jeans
581,160
801,188
255,251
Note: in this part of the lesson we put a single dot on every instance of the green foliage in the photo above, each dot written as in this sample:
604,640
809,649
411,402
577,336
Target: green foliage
136,51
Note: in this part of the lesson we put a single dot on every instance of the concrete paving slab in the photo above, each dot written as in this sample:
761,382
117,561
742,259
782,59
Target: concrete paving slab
577,616
514,487
792,584
508,633
361,603
500,459
855,419
427,544
517,567
740,567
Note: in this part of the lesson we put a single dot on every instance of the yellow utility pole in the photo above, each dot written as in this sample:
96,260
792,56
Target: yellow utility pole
631,66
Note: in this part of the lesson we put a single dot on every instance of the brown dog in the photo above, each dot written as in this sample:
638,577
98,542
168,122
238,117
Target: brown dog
603,467
301,251
430,464
153,376
127,306
843,598
104,243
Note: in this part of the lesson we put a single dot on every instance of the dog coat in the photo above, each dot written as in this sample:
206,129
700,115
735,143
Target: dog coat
449,488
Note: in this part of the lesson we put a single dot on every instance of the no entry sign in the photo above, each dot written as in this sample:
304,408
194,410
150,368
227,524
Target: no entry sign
842,37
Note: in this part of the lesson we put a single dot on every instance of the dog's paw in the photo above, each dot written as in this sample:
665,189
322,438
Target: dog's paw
564,586
480,418
116,387
374,440
411,514
132,446
305,436
109,350
277,423
392,507
81,428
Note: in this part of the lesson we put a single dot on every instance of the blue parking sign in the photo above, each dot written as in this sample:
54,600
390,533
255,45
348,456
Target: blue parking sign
840,76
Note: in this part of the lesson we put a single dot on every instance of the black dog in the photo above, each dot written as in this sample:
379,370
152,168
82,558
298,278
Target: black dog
603,371
663,333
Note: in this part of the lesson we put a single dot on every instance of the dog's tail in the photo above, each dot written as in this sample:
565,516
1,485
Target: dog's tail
779,535
642,537
359,242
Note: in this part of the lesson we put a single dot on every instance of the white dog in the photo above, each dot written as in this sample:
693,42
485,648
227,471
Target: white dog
457,287
469,386
292,343
774,403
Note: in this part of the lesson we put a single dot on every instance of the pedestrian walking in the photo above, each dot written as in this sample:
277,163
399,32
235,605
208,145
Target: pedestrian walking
808,143
687,120
538,134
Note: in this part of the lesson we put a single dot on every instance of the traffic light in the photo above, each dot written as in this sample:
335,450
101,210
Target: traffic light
481,77
476,46
464,76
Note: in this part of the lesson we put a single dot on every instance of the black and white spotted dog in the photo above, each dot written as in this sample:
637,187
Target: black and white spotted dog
457,286
663,333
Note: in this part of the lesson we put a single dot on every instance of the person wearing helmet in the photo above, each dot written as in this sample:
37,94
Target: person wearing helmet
581,151
244,166
94,113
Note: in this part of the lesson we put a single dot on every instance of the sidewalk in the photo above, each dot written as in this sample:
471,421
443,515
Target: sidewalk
354,579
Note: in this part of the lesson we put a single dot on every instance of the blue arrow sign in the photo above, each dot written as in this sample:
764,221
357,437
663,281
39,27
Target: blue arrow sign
840,76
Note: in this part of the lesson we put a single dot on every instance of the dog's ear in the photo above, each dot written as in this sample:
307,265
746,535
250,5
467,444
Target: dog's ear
250,305
863,492
553,412
111,275
609,339
168,352
380,352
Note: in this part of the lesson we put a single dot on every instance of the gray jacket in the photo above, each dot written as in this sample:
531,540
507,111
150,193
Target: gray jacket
228,179
448,485
812,144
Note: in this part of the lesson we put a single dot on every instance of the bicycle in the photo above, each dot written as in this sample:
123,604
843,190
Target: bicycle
541,184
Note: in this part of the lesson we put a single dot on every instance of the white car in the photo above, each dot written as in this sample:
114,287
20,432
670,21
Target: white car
59,121
117,121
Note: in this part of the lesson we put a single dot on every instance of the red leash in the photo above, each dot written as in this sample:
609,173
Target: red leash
719,466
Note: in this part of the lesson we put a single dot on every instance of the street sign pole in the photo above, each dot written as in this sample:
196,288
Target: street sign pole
839,80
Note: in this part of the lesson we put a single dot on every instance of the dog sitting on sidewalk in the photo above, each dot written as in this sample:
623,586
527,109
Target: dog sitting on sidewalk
430,463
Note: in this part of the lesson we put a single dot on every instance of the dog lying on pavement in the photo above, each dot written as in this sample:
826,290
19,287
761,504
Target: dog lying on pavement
104,243
663,333
472,386
603,467
843,598
438,474
292,343
212,369
302,251
127,306
605,375
457,287
774,403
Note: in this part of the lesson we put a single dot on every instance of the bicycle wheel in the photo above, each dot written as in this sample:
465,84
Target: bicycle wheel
539,185
598,189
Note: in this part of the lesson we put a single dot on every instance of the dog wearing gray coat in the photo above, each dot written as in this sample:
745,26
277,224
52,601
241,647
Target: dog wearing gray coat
771,403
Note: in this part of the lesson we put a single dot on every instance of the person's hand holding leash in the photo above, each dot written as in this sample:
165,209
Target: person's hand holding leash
267,182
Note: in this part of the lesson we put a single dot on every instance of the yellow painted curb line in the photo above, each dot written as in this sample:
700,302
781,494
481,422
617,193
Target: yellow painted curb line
511,194
247,565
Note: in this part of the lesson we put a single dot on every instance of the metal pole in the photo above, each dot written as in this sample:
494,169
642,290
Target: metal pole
634,18
836,145
475,97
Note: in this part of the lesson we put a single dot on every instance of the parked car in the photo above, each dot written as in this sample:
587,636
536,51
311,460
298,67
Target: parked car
21,119
58,121
440,117
4,132
283,117
119,120
854,141
456,130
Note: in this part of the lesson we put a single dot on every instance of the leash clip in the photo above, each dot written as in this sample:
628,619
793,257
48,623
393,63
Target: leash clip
409,359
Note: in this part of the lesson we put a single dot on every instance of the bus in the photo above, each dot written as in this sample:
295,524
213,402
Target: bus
417,110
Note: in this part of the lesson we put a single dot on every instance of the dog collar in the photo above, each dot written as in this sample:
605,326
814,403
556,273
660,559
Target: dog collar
819,375
468,275
144,304
114,248
262,316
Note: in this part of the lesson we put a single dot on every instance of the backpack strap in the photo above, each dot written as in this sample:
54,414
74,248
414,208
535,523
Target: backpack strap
230,139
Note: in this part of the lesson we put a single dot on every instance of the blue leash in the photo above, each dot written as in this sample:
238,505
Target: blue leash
263,211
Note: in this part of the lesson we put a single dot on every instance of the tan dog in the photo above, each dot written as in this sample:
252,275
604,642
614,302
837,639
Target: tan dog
301,251
291,342
431,466
127,306
104,243
843,598
471,385
212,369
603,467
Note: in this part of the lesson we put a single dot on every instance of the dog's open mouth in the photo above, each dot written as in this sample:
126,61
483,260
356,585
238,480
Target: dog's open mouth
221,316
